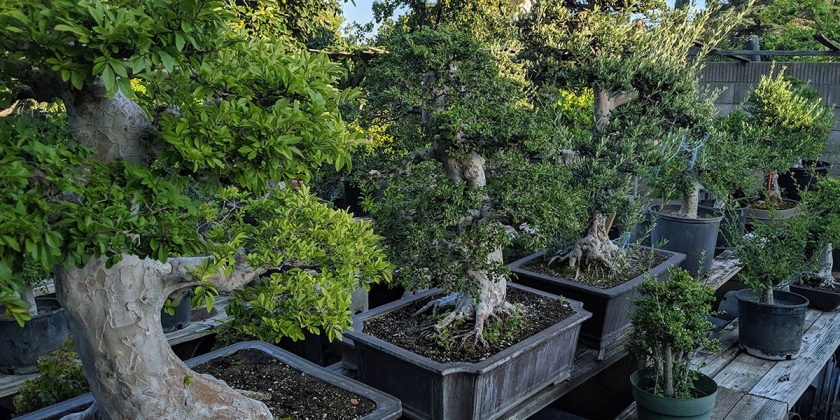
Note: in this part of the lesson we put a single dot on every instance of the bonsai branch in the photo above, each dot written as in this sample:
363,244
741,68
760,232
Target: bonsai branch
177,275
607,102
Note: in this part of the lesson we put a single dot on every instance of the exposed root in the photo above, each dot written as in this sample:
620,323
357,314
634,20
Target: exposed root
590,249
462,307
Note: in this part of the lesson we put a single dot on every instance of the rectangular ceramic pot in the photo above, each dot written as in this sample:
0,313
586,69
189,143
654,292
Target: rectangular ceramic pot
610,307
464,391
387,407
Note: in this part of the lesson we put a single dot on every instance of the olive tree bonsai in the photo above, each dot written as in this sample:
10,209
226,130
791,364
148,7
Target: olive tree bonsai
670,327
822,207
460,176
773,254
636,61
134,205
784,123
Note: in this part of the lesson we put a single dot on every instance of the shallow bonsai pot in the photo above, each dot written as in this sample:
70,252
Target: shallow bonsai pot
610,308
764,216
654,407
818,299
387,407
466,391
694,237
772,332
20,347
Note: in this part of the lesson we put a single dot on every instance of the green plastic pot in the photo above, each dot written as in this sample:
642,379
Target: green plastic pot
654,407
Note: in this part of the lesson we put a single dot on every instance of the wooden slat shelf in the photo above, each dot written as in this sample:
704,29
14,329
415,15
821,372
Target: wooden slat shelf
750,387
589,362
9,384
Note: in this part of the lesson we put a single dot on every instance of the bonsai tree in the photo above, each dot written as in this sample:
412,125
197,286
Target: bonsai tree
636,61
459,171
773,254
670,327
822,207
134,205
794,124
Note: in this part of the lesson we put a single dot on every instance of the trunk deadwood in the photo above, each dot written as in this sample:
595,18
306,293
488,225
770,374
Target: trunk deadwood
115,318
595,247
29,298
773,189
826,266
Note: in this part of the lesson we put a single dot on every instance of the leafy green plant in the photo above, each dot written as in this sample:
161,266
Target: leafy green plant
784,123
62,378
669,329
821,207
773,253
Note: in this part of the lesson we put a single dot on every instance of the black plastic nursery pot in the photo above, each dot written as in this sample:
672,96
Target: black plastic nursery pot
387,407
654,407
772,332
821,299
20,347
460,390
802,177
694,237
610,308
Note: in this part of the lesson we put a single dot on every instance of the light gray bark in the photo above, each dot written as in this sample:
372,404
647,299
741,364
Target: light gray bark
606,102
826,266
29,298
115,318
691,201
595,247
775,190
113,128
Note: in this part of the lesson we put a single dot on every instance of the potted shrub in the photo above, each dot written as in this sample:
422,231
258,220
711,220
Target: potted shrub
821,206
771,321
626,77
464,131
670,326
130,206
784,126
61,378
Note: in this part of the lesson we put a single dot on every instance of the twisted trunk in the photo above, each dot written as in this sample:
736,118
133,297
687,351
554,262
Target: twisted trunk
826,266
595,247
114,314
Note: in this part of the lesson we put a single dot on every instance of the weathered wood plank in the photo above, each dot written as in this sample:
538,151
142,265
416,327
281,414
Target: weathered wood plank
743,372
753,407
712,363
724,268
788,379
727,400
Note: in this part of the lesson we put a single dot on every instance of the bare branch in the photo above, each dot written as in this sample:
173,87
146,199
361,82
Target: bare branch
178,275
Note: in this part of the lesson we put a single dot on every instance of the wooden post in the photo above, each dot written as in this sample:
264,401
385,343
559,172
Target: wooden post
753,45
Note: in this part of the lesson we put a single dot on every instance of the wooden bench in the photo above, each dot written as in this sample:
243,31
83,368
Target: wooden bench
753,388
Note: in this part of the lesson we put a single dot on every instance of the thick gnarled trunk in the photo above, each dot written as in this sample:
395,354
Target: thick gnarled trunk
595,247
115,318
826,266
691,201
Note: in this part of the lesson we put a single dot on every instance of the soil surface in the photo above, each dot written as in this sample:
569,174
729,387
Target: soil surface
416,334
814,283
771,204
294,394
639,261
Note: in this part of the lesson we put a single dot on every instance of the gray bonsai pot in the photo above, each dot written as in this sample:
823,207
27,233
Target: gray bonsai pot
610,308
387,407
464,391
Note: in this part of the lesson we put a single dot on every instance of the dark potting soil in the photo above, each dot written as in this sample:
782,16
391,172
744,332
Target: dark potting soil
814,283
638,262
416,333
771,204
294,394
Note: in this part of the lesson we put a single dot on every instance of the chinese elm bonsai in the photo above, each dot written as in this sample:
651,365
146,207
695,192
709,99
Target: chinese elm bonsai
130,200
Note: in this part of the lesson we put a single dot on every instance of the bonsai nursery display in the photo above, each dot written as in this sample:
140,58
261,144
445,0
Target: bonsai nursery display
133,203
784,126
631,74
670,326
821,208
771,321
459,179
